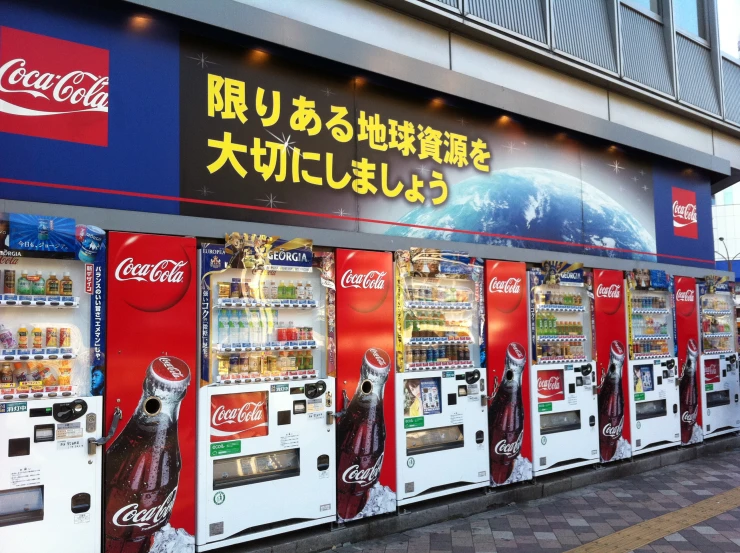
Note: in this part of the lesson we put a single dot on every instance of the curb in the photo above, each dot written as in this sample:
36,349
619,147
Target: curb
465,504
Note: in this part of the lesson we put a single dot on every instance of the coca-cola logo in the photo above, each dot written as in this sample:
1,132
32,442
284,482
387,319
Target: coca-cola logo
613,432
509,449
148,519
505,280
53,88
711,371
550,386
152,272
608,296
171,368
365,280
684,213
611,291
689,417
515,351
238,416
363,477
685,296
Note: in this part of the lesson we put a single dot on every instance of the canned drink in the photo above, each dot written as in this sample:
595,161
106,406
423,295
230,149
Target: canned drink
236,285
52,337
92,241
6,374
65,337
65,373
223,366
224,289
9,281
234,364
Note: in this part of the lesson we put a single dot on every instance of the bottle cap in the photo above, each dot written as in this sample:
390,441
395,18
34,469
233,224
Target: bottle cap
169,373
377,362
66,273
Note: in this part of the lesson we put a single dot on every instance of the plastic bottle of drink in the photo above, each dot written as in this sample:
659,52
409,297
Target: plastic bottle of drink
281,291
611,403
361,436
143,463
291,290
506,416
243,327
52,285
65,286
38,285
23,286
233,327
688,392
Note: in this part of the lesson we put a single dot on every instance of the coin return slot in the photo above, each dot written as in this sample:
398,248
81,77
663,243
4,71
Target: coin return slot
322,463
434,439
251,469
650,409
560,422
80,503
21,505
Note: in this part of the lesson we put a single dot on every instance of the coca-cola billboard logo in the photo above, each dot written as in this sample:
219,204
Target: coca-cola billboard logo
550,386
684,213
364,477
505,290
610,431
238,416
608,293
364,285
53,88
509,449
151,277
685,297
148,519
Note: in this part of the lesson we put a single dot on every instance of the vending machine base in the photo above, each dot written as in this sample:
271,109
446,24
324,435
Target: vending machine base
266,459
655,419
50,482
565,432
720,391
441,433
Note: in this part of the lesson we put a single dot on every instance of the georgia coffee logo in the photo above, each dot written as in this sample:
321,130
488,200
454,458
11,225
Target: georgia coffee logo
363,477
685,299
506,287
152,272
610,431
509,449
147,519
53,88
364,285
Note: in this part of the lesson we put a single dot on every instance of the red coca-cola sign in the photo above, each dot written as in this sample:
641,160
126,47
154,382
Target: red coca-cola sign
684,213
371,281
53,88
609,296
550,385
685,296
505,290
151,279
711,371
238,416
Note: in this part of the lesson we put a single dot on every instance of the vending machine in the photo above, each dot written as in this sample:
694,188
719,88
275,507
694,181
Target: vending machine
441,426
266,432
655,420
564,418
52,347
719,385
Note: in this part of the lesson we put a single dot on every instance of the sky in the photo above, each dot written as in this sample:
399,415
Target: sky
729,26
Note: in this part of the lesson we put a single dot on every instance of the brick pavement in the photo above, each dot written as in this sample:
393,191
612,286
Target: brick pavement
565,521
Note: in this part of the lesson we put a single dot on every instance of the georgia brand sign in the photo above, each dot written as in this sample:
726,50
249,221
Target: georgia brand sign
684,213
550,386
53,88
238,416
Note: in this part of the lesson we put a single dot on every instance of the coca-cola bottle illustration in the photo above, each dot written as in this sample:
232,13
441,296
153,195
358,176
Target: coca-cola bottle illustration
688,393
506,416
361,436
611,403
143,463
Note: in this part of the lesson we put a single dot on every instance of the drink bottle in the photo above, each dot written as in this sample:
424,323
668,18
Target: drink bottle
506,416
688,393
361,436
143,463
611,403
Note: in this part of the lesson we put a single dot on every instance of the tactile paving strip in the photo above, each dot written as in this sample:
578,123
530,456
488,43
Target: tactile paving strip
646,532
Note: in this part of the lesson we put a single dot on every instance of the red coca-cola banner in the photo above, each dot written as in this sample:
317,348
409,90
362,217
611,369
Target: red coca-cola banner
711,371
238,416
507,319
610,325
550,386
687,340
152,319
365,337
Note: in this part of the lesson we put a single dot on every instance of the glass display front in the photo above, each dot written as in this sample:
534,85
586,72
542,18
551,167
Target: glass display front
651,325
562,324
717,323
434,439
250,469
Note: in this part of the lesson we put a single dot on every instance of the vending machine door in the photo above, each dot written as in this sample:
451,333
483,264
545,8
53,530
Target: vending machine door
721,390
50,482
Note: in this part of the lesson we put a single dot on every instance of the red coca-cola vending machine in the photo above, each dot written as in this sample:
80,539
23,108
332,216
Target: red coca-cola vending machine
565,433
610,338
687,343
266,433
152,344
507,367
718,382
366,447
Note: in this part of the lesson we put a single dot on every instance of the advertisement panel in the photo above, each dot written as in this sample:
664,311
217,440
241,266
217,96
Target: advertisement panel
687,340
152,328
550,386
610,337
507,316
238,416
366,468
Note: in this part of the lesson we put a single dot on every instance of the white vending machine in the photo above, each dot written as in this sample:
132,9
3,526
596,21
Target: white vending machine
565,431
266,432
51,362
655,419
442,420
719,385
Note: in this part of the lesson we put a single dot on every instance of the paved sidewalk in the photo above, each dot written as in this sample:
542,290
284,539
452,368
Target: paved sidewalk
566,521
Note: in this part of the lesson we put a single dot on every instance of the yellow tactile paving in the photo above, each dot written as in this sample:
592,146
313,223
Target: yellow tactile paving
641,534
